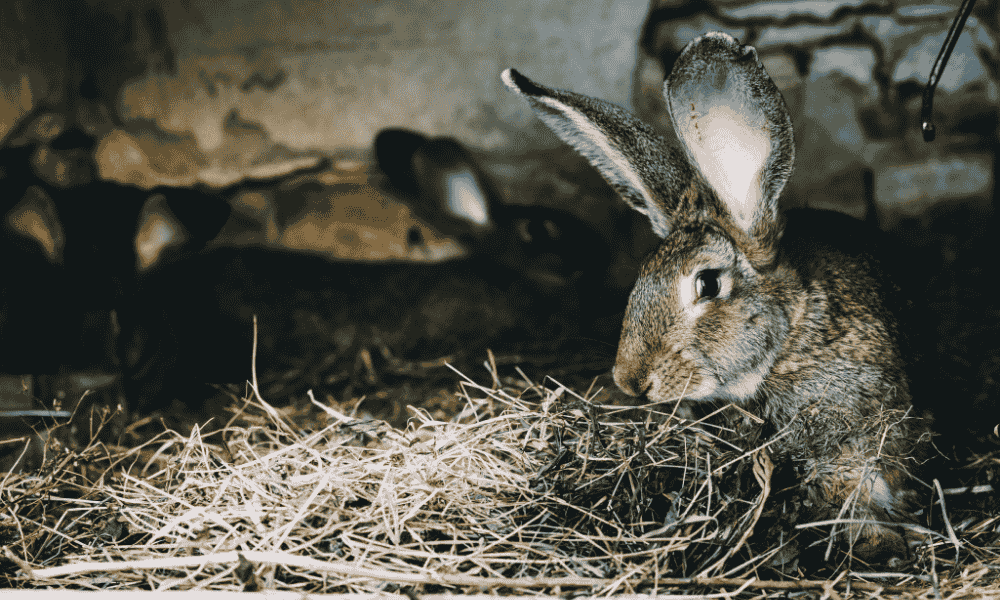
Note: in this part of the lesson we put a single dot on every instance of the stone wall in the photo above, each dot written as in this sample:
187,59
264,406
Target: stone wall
853,73
209,91
254,82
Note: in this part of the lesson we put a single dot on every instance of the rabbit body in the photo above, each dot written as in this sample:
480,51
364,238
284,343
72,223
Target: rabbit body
794,315
813,343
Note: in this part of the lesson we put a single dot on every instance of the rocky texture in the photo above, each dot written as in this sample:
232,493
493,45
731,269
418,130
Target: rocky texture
213,92
260,82
852,74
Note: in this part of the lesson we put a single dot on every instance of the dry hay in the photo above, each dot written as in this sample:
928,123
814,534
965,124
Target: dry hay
530,490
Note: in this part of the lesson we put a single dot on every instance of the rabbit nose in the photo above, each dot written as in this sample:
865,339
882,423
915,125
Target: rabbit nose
628,380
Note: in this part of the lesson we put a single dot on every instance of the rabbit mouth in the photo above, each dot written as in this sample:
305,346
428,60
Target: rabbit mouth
674,382
742,388
703,385
708,388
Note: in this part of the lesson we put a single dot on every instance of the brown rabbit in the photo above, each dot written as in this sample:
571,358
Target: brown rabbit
792,315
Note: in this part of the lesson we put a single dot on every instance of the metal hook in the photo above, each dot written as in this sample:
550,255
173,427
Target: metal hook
927,114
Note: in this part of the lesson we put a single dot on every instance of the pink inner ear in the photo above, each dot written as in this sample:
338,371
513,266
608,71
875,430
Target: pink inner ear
730,148
466,199
732,123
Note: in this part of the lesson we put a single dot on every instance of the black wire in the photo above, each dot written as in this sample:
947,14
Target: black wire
927,114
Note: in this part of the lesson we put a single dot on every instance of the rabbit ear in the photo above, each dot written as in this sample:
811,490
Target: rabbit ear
456,195
652,177
735,128
440,181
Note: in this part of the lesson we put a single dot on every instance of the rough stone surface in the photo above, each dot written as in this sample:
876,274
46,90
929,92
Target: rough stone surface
788,9
806,33
264,82
912,47
671,35
852,74
329,76
906,188
234,88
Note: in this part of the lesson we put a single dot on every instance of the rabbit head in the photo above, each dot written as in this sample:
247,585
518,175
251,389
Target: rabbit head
741,302
703,321
446,187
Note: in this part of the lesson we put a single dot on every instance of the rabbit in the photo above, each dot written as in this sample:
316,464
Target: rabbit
89,242
793,314
520,281
34,310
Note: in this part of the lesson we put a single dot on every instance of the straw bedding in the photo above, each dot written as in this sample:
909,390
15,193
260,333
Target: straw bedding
532,488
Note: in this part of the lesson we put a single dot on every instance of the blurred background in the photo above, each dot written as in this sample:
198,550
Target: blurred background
230,123
194,91
210,91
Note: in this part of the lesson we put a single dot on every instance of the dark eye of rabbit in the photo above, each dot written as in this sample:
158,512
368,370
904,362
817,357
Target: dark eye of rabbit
542,232
524,230
552,229
706,284
414,237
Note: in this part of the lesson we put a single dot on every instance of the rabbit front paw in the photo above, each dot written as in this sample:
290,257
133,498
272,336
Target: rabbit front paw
866,505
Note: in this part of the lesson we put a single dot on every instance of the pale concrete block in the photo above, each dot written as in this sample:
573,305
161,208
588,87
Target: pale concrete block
785,9
340,72
909,189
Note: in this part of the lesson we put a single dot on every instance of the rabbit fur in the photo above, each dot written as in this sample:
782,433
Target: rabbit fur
792,315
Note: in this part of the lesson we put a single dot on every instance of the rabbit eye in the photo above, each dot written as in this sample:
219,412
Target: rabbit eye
706,284
552,230
524,230
414,237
